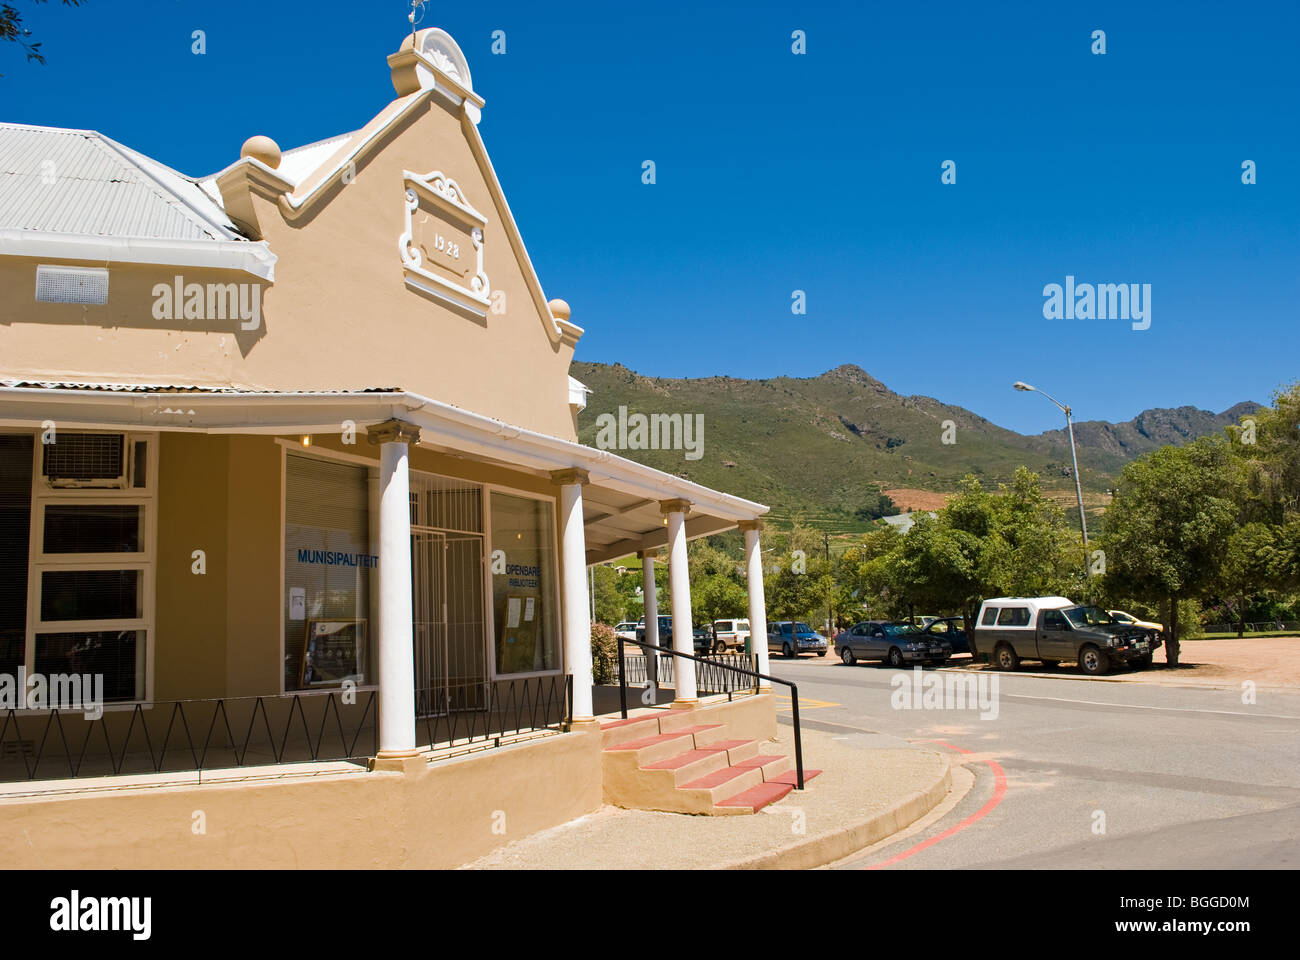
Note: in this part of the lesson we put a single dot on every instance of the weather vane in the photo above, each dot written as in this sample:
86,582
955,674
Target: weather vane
416,14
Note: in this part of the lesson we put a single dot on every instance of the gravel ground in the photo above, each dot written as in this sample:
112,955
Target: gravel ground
864,774
1268,661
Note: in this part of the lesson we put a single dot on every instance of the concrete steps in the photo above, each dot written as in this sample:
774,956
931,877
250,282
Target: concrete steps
678,761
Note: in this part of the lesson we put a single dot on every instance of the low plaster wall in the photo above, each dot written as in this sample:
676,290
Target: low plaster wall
443,814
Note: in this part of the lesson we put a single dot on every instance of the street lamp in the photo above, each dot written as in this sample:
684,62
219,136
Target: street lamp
1069,425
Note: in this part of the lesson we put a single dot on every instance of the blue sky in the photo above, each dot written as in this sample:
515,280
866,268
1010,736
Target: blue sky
819,172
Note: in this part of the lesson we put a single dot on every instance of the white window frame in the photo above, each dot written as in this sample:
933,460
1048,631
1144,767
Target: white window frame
39,562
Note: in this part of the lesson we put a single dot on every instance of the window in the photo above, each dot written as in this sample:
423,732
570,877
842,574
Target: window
327,571
90,575
100,528
524,586
1013,617
15,527
990,617
1053,620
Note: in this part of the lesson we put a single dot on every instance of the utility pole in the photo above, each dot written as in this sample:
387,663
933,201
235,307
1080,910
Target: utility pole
830,613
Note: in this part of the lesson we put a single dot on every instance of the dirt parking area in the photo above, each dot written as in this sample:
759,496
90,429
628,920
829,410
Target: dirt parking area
1268,661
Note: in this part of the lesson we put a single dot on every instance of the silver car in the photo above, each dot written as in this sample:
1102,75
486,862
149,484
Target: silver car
896,644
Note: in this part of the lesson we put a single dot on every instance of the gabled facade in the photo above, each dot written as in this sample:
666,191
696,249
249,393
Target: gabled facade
298,439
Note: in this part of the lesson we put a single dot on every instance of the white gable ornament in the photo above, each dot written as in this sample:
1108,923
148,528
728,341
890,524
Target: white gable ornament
442,248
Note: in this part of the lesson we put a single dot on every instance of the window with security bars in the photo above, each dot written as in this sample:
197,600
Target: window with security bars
84,457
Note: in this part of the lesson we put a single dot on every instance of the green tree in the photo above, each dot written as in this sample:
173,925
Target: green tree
1273,459
12,29
1173,513
717,596
1247,565
610,603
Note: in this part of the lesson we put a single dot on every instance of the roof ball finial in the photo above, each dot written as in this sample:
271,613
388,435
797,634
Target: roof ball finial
262,149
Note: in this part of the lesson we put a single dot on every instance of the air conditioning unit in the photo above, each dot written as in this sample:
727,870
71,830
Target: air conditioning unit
92,460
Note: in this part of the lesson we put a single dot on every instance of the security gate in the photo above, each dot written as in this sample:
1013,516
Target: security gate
448,611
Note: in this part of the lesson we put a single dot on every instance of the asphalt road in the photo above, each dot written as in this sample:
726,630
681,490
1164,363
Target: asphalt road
1084,774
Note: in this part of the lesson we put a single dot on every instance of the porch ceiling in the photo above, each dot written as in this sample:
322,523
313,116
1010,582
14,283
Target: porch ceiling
617,524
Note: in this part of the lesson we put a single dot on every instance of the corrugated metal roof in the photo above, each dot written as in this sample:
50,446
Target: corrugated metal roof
80,182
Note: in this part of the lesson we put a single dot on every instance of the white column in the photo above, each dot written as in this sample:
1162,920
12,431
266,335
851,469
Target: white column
680,581
573,579
757,599
650,608
395,642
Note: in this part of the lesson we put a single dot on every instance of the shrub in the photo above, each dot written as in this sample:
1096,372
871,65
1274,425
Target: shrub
604,653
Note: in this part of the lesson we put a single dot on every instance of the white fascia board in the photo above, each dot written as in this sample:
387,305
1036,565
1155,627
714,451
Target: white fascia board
250,257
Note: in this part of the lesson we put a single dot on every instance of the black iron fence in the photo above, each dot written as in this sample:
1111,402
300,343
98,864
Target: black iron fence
714,673
185,736
717,663
189,735
472,712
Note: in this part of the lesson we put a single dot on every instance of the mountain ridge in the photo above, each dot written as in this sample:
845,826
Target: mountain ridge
828,444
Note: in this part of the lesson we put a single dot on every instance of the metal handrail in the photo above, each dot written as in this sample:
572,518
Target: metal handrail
794,692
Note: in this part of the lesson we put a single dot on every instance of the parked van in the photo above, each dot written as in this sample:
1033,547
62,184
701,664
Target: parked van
730,634
1052,629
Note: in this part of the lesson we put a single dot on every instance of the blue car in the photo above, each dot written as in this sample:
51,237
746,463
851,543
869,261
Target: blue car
951,629
791,639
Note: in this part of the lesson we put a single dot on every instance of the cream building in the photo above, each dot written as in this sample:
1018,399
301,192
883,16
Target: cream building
294,446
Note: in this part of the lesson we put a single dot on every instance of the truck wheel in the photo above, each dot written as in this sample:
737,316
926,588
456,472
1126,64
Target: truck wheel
719,647
1093,661
1005,657
847,656
895,658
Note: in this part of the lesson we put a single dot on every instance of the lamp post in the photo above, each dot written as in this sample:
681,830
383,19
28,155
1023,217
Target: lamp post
1078,489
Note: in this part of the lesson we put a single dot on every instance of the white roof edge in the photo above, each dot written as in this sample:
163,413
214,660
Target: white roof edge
248,256
447,425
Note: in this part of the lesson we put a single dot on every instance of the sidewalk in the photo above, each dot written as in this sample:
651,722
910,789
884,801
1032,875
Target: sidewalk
872,786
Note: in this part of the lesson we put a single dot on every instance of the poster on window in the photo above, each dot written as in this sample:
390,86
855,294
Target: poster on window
334,651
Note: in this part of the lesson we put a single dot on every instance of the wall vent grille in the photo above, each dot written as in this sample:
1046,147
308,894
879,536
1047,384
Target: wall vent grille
87,285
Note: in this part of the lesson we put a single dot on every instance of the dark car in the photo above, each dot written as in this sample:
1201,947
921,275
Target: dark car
665,631
703,640
702,636
896,644
952,629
